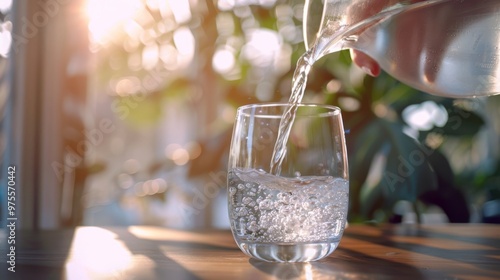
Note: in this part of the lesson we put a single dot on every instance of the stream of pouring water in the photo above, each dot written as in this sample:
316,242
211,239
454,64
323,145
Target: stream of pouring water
331,38
299,82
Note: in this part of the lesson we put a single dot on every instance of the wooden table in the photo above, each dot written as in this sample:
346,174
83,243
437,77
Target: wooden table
468,251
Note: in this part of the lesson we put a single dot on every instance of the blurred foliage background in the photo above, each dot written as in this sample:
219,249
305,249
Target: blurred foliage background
170,75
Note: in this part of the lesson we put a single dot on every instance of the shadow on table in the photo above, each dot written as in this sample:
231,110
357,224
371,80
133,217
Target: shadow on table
37,254
482,259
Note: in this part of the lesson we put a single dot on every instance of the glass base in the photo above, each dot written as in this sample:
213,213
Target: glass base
300,252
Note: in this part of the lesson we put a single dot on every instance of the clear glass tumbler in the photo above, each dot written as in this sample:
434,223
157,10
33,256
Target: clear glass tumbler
300,214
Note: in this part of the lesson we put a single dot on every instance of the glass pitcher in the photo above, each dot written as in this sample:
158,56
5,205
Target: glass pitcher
448,48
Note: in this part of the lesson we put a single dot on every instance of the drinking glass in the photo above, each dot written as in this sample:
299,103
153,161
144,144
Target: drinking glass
297,215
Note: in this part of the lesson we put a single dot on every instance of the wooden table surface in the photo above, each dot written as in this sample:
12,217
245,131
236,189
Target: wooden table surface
466,251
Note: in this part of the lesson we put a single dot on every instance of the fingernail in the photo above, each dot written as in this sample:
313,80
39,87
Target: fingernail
367,70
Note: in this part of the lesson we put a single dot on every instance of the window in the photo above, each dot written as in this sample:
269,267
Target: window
5,47
122,110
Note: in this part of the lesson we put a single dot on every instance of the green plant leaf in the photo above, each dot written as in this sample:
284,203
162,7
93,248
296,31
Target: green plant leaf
461,123
447,196
367,144
362,147
408,173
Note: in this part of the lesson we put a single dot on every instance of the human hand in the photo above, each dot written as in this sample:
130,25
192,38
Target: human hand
361,10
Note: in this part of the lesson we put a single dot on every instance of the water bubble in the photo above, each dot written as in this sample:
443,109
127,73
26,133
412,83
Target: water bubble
232,190
272,229
287,209
252,226
313,200
306,205
265,204
247,200
325,199
241,211
284,197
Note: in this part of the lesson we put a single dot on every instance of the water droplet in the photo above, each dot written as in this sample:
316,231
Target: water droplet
352,38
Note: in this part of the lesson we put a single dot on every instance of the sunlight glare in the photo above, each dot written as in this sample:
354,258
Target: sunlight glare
180,156
105,16
185,43
153,4
150,56
127,86
100,254
226,5
180,10
5,38
133,29
5,5
223,61
169,150
308,271
425,116
263,45
168,55
225,24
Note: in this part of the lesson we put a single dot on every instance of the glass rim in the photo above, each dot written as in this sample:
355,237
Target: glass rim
243,110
